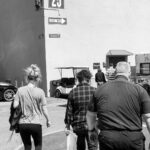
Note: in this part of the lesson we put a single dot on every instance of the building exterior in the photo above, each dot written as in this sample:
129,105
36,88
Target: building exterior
67,33
21,40
142,62
114,56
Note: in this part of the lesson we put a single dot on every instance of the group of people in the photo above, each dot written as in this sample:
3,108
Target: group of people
108,117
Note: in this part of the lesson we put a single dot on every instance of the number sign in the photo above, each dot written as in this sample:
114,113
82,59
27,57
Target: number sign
56,4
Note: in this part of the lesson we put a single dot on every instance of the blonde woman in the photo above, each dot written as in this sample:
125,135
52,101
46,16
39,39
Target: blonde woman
33,105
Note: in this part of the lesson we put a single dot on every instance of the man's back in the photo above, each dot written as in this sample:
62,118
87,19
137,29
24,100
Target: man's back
100,77
120,106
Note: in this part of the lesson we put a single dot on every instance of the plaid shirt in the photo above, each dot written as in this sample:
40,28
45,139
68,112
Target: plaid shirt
77,105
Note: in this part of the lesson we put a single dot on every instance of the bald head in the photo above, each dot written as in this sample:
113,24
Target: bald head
123,68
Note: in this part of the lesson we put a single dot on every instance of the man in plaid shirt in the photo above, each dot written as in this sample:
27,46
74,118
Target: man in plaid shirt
78,101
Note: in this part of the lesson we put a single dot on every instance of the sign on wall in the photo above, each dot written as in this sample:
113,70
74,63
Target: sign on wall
56,4
55,35
61,21
96,65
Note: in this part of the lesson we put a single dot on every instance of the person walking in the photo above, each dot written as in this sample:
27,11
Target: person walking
76,109
100,77
32,100
119,106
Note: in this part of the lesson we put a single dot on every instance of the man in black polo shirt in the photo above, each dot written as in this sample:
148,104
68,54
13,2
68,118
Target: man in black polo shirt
119,106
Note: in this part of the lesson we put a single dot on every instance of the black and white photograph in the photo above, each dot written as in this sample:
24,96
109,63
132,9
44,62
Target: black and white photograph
75,75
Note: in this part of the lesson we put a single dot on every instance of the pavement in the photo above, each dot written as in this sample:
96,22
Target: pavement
56,109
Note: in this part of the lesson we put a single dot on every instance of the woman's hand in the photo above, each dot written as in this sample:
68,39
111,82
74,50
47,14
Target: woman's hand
48,123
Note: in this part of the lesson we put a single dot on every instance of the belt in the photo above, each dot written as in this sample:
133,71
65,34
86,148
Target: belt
122,130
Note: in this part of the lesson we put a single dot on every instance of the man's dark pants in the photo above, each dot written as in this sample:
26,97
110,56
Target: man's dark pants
121,140
82,137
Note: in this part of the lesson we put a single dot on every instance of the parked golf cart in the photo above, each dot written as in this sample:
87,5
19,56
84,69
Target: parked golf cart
67,81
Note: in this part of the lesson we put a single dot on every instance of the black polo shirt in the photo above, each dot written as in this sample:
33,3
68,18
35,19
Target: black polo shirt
119,105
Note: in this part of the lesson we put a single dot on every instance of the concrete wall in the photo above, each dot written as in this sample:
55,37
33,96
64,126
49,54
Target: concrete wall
21,40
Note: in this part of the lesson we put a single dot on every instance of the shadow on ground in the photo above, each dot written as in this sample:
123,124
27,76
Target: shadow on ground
55,141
